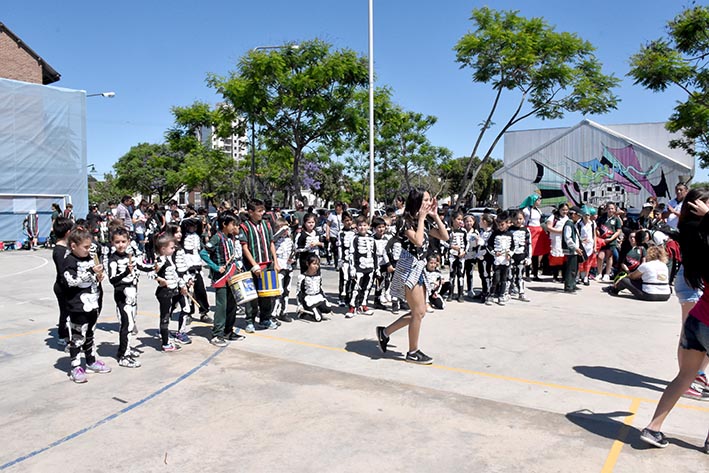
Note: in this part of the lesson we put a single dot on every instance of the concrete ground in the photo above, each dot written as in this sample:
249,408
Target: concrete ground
562,383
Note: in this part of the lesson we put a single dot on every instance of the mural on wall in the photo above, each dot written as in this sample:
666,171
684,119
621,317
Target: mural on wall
612,177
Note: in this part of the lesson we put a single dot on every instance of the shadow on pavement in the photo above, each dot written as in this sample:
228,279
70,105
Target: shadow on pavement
369,349
621,377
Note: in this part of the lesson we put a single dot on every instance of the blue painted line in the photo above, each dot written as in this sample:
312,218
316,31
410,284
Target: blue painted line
113,416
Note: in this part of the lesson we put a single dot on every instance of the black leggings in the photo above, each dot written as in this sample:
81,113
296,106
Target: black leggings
82,326
635,286
168,300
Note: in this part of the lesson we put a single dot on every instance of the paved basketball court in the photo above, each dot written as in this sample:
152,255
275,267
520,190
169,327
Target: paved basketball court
562,383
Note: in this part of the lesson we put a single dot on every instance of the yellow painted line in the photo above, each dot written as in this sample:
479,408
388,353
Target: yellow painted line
620,441
532,382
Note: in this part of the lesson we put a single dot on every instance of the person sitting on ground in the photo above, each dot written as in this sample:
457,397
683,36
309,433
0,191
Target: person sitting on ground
651,281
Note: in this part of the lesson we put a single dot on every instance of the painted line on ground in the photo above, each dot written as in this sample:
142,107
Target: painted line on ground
115,415
45,263
617,446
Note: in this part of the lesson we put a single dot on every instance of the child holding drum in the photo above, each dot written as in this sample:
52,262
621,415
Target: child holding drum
260,256
223,256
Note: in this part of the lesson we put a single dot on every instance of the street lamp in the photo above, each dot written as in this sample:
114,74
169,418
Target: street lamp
103,94
294,47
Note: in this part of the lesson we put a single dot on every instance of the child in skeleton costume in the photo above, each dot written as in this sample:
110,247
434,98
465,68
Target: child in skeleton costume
344,264
485,258
122,265
364,260
308,241
99,252
457,248
192,245
382,275
437,288
521,253
311,298
500,246
60,230
393,253
171,286
179,258
285,253
80,282
471,252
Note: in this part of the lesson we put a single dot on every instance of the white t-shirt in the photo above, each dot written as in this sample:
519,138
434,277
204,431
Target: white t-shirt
140,224
587,232
556,249
532,216
656,273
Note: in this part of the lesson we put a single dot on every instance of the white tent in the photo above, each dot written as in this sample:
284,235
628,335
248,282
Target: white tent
42,154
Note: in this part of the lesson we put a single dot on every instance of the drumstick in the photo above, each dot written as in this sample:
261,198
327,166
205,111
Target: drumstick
193,299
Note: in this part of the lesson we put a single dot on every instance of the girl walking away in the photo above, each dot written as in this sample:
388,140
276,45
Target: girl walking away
694,340
419,221
170,285
80,282
311,298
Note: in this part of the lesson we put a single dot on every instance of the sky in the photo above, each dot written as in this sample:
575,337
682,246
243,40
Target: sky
157,54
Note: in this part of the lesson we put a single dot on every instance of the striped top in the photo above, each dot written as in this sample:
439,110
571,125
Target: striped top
257,238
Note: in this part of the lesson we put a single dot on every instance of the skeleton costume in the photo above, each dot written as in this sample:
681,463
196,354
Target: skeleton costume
192,245
435,282
311,298
307,244
125,293
500,246
169,295
456,257
81,294
345,265
485,264
393,253
364,260
521,254
182,266
382,277
471,256
285,251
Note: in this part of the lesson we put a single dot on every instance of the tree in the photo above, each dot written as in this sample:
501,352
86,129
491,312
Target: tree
681,61
149,169
101,192
550,73
298,97
453,171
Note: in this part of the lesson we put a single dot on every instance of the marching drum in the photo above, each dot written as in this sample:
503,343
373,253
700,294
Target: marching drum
242,286
268,285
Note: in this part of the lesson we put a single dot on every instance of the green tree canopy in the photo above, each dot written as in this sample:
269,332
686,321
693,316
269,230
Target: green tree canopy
680,60
149,169
299,97
548,73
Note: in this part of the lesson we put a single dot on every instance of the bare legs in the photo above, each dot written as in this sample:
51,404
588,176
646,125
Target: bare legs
416,299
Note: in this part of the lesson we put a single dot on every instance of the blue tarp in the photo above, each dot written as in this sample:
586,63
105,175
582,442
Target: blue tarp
42,154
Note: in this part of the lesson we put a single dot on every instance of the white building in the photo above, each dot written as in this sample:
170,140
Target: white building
592,164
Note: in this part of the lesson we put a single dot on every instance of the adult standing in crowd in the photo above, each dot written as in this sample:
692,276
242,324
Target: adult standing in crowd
674,206
540,239
124,214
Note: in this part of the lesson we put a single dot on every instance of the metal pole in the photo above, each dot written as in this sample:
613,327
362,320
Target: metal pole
253,159
371,109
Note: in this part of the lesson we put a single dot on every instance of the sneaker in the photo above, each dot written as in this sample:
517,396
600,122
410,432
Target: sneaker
78,375
133,353
460,299
501,301
285,318
395,307
429,309
206,319
706,446
183,338
218,341
341,303
235,337
586,282
269,325
250,328
382,339
419,358
606,278
524,298
63,342
170,347
488,301
654,438
98,366
696,393
379,306
128,362
363,309
701,380
350,313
